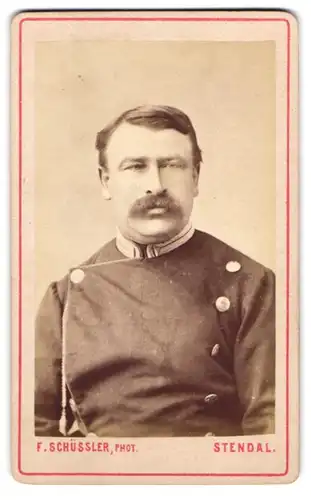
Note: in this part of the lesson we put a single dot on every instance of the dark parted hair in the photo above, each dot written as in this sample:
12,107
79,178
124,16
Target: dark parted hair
153,117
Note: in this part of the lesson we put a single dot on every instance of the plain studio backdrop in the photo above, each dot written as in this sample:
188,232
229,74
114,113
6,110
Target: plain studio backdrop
226,88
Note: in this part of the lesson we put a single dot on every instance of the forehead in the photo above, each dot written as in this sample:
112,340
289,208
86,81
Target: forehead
136,141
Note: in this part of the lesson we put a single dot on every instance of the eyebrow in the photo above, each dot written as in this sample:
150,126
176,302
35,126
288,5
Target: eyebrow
169,158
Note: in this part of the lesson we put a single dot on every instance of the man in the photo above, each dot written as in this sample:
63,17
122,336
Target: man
165,331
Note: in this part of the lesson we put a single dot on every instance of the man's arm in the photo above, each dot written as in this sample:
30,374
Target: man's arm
254,358
48,364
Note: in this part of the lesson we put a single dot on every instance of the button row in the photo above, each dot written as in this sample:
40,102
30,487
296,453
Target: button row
222,303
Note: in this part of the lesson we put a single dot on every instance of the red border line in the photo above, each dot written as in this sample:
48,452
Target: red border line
20,226
20,182
157,19
287,240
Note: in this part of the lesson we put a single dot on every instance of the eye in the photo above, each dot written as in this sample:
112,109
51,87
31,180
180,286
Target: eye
173,163
136,166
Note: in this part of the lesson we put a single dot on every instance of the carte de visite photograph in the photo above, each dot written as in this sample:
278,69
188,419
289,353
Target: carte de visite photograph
154,269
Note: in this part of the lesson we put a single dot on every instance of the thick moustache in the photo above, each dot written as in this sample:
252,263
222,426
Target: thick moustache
158,203
142,205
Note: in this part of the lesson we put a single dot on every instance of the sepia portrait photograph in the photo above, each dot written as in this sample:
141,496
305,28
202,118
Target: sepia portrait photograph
154,185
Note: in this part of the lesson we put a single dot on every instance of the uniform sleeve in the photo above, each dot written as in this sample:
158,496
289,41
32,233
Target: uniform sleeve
48,364
254,358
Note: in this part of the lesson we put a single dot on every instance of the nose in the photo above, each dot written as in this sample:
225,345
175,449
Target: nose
153,180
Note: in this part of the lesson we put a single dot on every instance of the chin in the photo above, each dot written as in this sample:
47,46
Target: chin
155,230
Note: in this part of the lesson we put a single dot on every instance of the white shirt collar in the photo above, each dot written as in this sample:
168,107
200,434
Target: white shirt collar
134,251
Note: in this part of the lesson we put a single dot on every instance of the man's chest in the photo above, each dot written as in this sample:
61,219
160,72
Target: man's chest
161,318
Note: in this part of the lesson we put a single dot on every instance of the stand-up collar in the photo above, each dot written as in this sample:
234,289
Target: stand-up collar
136,251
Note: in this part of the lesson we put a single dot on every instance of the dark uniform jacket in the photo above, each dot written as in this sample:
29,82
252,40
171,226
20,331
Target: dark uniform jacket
182,344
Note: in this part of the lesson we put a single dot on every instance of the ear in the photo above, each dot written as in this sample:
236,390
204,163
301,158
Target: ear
104,179
195,182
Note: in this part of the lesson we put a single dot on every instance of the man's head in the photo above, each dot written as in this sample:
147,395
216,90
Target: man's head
149,166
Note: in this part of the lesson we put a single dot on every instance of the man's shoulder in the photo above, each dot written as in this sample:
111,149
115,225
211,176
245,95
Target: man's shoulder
220,253
105,253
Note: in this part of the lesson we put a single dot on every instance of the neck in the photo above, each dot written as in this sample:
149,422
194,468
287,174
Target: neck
132,248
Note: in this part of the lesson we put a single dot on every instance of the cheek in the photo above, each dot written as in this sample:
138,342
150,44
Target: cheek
124,193
121,186
181,186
